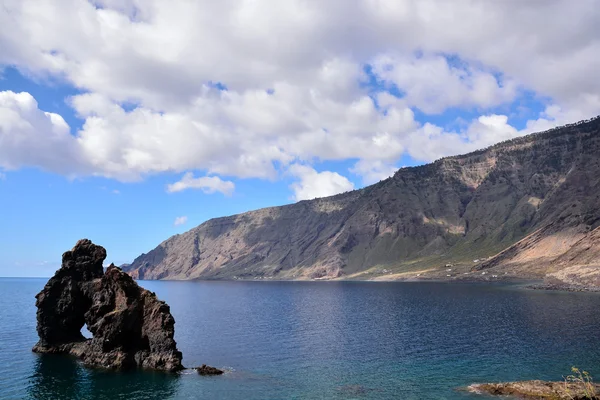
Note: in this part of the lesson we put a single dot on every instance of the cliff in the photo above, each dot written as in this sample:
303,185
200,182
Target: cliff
521,208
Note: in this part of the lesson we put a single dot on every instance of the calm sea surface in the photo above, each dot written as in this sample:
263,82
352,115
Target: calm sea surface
323,340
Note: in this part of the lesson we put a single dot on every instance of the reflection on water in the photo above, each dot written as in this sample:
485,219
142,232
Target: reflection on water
56,377
62,377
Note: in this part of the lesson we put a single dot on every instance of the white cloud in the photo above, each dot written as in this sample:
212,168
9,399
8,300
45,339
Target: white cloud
2,176
554,115
113,191
235,134
373,171
433,85
315,184
29,136
241,134
208,184
295,80
432,142
151,50
180,221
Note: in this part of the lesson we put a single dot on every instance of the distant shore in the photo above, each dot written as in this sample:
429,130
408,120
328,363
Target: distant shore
523,283
564,287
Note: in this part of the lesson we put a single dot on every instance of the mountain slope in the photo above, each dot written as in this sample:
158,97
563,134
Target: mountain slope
521,203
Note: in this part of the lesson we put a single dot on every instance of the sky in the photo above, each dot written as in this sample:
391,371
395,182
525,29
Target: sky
128,121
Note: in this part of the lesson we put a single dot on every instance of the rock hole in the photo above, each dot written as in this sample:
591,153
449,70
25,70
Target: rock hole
85,332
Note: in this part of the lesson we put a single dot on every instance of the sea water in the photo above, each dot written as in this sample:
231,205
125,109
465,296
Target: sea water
323,340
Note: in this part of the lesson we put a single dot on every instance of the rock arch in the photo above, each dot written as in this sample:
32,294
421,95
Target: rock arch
131,328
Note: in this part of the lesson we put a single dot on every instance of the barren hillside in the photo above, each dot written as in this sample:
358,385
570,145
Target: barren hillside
522,208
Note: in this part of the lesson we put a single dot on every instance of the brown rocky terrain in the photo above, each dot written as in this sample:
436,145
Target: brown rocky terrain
528,208
538,390
131,328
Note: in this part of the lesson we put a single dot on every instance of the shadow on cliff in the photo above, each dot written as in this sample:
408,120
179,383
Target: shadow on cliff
62,377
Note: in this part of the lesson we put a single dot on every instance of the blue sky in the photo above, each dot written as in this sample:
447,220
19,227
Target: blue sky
149,123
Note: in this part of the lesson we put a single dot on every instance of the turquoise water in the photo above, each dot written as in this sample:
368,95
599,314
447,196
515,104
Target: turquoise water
323,340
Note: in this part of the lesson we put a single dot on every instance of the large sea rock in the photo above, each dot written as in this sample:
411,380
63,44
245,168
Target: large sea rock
131,327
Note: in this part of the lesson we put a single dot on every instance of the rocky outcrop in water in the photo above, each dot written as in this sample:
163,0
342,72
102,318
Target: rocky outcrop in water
207,370
131,328
515,209
538,390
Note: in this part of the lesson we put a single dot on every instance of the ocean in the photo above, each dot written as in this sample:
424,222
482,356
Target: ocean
323,340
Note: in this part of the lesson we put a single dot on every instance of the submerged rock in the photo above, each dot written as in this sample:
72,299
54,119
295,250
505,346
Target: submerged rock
131,328
207,370
538,390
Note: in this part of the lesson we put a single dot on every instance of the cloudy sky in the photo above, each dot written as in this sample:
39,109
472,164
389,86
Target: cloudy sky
127,121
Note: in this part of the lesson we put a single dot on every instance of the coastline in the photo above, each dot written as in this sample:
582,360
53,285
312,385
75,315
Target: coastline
538,389
564,287
521,283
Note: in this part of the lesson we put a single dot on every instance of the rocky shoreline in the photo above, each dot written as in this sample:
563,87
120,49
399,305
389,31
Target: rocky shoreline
564,287
537,389
526,283
572,279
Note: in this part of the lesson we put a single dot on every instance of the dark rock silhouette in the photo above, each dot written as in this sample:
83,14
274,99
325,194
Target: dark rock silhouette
131,328
207,370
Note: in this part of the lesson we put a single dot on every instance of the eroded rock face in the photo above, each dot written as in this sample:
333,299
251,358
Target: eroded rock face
131,328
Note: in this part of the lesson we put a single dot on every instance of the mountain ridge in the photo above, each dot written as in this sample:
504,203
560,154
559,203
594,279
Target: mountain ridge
420,222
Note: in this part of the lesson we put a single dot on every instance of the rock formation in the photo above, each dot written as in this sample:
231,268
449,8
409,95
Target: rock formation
207,370
514,209
131,328
538,390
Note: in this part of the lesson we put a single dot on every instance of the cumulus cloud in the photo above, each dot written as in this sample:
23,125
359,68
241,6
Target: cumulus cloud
431,84
239,134
30,136
157,53
245,89
373,171
554,115
180,220
313,184
432,142
208,184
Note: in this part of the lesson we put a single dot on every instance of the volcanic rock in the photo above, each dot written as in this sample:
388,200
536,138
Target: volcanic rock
538,390
207,370
131,328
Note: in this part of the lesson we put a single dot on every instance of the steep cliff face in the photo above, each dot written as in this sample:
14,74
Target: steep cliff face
522,203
